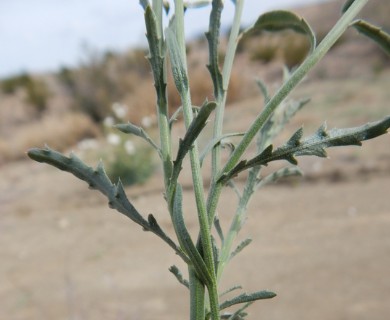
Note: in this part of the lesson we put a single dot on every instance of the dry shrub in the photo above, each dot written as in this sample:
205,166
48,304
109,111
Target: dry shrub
58,131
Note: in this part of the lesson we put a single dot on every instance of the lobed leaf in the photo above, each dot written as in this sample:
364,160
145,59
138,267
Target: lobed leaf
98,179
375,33
314,145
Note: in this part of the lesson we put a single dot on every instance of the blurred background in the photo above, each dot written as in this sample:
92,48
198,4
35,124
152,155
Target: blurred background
70,70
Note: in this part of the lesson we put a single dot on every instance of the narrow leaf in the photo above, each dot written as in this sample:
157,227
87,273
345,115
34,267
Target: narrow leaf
279,174
212,36
185,239
230,290
218,227
179,276
375,33
130,128
281,20
214,142
244,298
243,244
195,128
179,70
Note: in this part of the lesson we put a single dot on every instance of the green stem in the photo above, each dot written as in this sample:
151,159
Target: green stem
222,96
197,296
282,93
293,81
196,175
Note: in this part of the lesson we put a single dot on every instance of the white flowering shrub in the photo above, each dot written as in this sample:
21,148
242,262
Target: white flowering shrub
123,159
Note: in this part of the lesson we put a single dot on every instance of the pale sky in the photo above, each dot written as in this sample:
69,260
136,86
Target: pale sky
43,35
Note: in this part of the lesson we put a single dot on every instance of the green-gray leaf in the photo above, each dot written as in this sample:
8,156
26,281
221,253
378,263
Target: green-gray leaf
313,145
185,239
244,298
179,276
375,33
98,179
281,20
130,128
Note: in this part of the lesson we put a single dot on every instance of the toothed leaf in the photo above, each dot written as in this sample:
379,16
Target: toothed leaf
313,145
98,179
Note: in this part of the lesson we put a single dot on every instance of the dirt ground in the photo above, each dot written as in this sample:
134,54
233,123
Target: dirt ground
321,243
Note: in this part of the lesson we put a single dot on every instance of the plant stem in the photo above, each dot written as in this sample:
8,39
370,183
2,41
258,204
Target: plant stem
282,93
197,177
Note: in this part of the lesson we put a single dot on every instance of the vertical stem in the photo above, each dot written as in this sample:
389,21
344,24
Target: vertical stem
196,176
197,296
221,103
274,102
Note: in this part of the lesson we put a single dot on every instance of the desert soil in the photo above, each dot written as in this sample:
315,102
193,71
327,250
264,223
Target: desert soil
321,243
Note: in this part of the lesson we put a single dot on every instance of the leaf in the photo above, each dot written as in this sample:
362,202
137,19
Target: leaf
275,124
281,20
214,142
230,290
179,70
244,298
212,36
264,90
313,145
373,32
218,227
185,144
98,179
130,128
156,52
176,272
281,173
185,239
239,314
243,244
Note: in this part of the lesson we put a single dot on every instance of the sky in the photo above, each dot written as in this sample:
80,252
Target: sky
44,35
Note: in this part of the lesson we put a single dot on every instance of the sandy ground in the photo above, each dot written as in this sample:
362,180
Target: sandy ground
322,243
